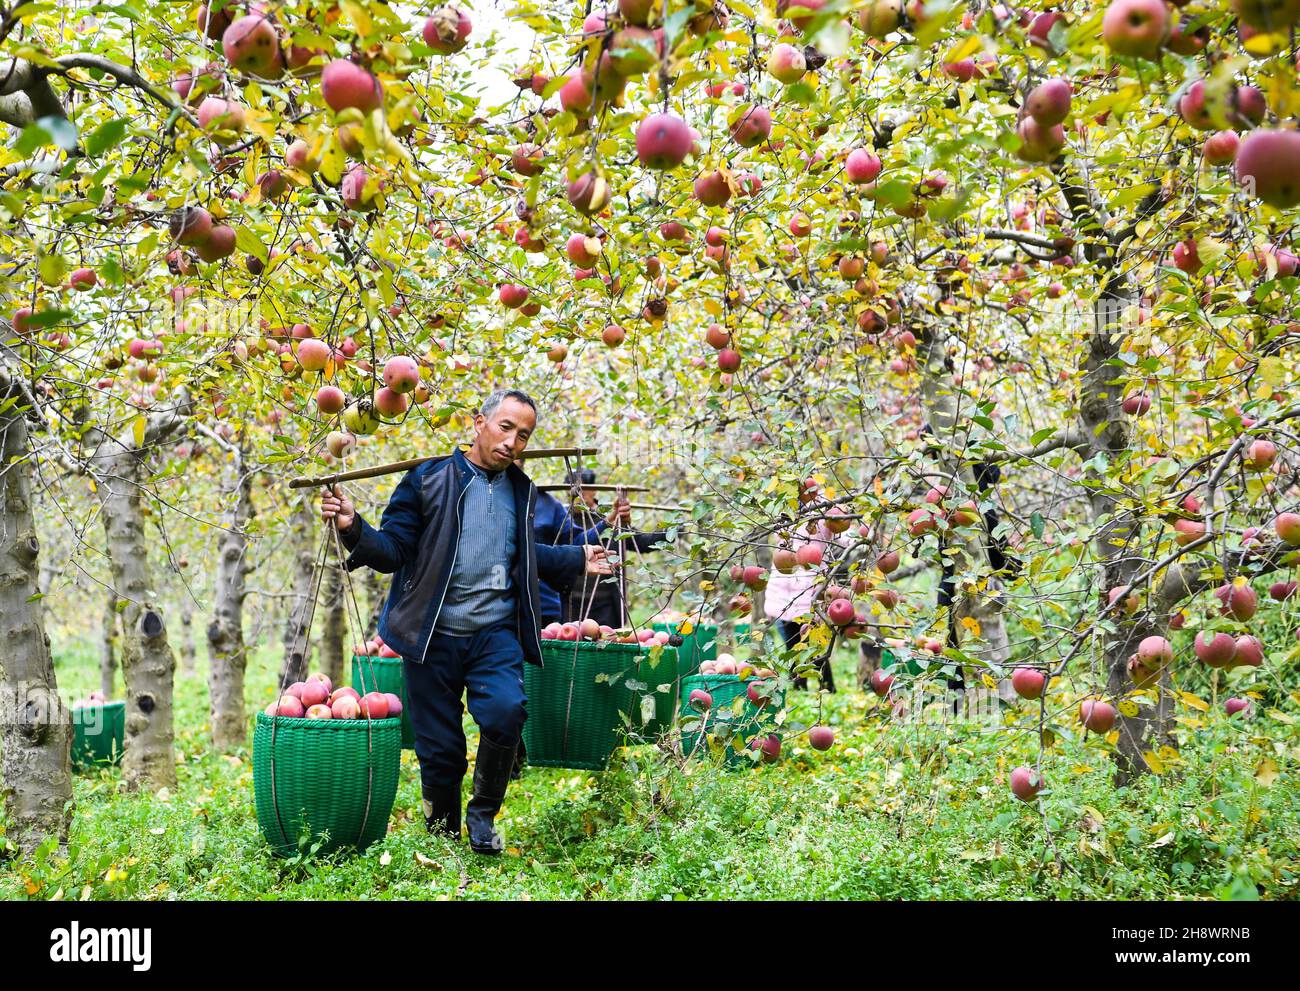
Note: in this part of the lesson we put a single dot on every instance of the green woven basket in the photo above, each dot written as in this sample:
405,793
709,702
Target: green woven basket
700,645
97,732
334,778
657,669
384,674
731,715
574,720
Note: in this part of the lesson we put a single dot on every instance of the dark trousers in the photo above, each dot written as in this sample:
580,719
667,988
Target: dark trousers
789,631
488,668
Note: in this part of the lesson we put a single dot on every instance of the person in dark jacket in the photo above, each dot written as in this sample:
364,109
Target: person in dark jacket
463,609
554,525
599,599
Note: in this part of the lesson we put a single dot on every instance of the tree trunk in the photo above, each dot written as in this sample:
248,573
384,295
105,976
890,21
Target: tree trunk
297,640
227,652
148,665
187,635
108,640
950,425
334,628
35,728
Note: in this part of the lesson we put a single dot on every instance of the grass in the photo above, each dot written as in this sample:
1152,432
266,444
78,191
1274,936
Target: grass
894,810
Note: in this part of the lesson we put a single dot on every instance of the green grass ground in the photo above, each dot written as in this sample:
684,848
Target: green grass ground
893,811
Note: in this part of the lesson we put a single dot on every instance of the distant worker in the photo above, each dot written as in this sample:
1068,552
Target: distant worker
554,526
788,602
602,601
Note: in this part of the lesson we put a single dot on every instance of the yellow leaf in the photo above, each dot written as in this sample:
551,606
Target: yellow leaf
686,628
1128,708
971,625
1156,765
1101,819
137,430
968,47
1266,772
357,14
1192,701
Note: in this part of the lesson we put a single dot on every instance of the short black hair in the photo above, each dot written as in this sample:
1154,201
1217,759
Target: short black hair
587,476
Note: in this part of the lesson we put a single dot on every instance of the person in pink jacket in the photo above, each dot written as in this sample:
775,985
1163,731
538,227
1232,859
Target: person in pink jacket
788,599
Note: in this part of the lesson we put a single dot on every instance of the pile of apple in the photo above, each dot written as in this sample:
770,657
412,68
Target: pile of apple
94,698
590,631
317,698
374,648
727,664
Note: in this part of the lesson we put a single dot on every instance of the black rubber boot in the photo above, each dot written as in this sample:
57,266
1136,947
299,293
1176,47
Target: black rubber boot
521,756
442,810
491,777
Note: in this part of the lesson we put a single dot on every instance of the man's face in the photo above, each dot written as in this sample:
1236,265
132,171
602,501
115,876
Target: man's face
501,440
589,497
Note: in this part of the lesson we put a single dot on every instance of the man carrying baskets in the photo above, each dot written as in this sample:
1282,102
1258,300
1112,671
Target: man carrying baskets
463,610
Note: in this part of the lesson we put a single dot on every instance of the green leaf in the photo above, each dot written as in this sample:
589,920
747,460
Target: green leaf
52,269
105,137
61,131
249,243
1037,524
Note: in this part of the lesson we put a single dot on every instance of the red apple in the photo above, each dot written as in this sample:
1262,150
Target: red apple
1026,784
1027,682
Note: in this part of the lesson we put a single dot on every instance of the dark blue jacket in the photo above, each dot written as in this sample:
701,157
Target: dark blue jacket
555,526
416,543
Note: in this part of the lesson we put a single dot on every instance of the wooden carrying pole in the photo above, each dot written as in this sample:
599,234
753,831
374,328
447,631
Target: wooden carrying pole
396,466
595,487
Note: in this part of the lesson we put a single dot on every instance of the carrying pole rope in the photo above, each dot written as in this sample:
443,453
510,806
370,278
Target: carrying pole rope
304,630
351,596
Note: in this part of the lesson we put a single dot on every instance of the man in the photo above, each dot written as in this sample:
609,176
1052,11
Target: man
463,609
603,602
554,525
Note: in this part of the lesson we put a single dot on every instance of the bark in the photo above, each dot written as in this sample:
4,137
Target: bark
187,636
297,639
1104,433
108,640
148,665
334,628
978,599
227,652
35,727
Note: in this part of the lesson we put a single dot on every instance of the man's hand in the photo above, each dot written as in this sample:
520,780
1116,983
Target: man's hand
597,560
336,507
621,513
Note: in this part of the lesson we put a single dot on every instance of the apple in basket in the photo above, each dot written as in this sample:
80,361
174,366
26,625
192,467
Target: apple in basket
320,712
314,693
568,632
708,667
289,705
346,707
551,631
343,690
606,633
644,635
323,679
296,689
590,629
96,697
394,705
374,705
